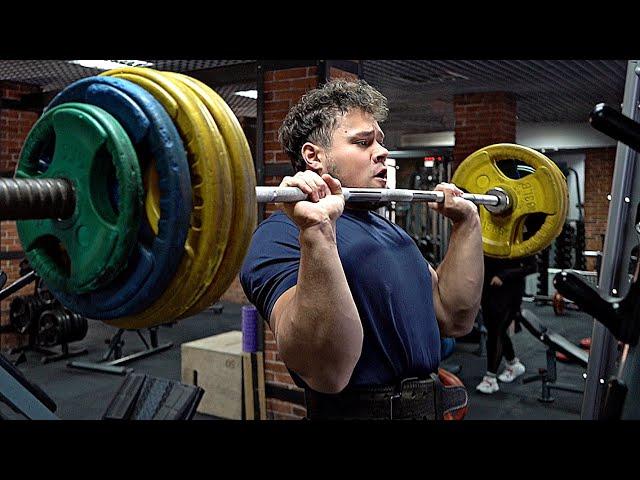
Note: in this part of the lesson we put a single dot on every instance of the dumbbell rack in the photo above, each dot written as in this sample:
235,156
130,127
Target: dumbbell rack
36,337
48,355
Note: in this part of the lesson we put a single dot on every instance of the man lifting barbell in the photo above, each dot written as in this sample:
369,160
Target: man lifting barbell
356,311
355,308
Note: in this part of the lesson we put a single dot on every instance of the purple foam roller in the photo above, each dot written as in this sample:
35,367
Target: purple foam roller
249,329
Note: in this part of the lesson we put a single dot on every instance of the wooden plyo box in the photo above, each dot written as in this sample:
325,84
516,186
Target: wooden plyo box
215,364
255,401
233,380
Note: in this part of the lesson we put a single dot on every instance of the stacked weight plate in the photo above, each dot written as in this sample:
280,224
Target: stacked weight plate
165,190
87,146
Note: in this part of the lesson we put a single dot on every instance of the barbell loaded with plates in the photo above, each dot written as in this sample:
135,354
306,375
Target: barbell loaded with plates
136,197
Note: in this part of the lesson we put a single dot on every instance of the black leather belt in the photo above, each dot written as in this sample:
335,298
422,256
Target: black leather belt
412,399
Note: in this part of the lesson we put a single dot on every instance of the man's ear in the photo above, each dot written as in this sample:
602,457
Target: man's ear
311,154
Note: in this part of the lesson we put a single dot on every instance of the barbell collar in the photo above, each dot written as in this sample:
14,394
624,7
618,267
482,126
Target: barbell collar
504,201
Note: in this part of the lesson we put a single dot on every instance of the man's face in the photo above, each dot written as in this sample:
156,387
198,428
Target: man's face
357,155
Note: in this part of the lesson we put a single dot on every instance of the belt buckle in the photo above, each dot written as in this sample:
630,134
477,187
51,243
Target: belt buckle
399,394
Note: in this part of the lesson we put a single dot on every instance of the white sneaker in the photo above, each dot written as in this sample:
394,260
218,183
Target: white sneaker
511,372
488,385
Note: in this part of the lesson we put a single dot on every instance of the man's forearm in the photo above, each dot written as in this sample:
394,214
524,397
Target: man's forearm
461,274
322,333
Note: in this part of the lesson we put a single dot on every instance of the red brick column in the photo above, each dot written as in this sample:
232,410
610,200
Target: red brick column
482,119
282,88
14,127
598,172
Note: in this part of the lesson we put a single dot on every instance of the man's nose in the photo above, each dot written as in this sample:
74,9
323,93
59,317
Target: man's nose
381,154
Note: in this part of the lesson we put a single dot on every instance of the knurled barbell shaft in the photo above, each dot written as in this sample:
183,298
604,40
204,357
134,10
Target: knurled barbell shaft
31,198
294,194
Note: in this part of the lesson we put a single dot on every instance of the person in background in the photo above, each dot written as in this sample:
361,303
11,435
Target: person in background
504,286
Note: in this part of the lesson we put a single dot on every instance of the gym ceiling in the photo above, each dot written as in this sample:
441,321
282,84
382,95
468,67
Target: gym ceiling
420,92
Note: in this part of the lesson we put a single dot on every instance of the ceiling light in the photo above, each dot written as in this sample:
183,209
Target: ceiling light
109,64
248,93
456,75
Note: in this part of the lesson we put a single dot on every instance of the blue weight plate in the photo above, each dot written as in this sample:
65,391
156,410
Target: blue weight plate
153,262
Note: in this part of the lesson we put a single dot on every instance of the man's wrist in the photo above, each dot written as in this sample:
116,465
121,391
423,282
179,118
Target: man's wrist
470,220
324,231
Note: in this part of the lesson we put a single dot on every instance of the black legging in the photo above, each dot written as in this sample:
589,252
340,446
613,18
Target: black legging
499,308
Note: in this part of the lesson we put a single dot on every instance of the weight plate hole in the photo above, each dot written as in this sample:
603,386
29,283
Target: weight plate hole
45,154
532,224
54,249
514,169
104,184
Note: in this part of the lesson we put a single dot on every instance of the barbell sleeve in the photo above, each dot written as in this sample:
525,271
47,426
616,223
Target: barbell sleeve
34,198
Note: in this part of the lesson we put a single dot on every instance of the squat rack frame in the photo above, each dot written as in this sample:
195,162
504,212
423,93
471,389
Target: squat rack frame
614,281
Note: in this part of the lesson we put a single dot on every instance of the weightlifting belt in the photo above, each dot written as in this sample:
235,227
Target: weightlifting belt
411,399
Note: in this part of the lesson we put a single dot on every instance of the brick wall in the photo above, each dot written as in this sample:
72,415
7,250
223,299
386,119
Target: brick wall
482,119
282,89
14,127
277,375
598,172
234,293
335,73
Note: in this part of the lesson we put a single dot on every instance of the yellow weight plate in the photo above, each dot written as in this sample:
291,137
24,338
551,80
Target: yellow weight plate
245,209
540,243
500,233
544,191
244,214
210,179
503,236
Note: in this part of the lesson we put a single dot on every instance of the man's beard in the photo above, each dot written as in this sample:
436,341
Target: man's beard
333,171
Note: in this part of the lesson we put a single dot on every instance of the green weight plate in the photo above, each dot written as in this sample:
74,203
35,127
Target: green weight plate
211,180
90,148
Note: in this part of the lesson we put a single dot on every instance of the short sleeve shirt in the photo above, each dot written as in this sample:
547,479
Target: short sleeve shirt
389,280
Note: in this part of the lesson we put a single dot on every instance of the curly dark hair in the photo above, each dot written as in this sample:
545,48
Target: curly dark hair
314,117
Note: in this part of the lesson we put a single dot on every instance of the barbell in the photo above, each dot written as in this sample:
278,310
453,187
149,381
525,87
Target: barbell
136,197
28,199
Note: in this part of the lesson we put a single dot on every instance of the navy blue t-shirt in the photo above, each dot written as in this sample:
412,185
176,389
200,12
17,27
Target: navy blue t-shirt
389,280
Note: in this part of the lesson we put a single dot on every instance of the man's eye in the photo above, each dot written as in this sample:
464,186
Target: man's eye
362,142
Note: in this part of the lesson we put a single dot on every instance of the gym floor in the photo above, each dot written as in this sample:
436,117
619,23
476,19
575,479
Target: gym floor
518,401
85,395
